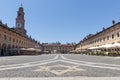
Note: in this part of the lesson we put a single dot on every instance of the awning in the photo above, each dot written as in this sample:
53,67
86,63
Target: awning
116,45
93,48
106,46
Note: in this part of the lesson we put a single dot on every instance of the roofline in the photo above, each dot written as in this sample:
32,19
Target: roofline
102,31
6,27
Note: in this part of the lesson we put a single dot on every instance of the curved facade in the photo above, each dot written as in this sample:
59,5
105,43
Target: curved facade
106,36
11,39
15,37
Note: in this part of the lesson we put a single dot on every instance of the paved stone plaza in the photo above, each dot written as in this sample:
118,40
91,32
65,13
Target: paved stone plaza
60,66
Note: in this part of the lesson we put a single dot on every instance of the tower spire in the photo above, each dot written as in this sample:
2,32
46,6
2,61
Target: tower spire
21,5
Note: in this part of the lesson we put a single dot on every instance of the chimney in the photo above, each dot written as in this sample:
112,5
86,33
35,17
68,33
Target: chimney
113,22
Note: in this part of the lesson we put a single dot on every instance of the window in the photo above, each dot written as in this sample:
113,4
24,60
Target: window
13,39
112,36
16,40
19,41
9,38
0,36
100,39
5,37
118,34
107,37
104,39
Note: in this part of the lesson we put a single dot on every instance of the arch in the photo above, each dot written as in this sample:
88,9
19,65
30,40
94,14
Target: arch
13,46
0,49
9,46
3,49
16,46
9,51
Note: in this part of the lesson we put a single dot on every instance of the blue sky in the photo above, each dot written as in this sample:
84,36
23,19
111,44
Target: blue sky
62,20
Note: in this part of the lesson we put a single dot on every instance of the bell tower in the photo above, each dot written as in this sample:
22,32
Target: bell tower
20,22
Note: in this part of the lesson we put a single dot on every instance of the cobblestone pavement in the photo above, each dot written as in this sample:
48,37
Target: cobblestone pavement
59,67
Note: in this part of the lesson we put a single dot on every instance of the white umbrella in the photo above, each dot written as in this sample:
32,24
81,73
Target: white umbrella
106,46
33,49
22,49
93,47
116,45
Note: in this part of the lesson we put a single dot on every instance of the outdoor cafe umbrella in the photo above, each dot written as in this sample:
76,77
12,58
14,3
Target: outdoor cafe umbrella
93,48
116,45
106,46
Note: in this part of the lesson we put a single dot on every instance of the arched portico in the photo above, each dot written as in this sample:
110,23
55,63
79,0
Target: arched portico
0,49
4,49
8,49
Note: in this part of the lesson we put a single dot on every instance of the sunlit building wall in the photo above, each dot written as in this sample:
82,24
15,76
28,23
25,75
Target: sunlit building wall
109,35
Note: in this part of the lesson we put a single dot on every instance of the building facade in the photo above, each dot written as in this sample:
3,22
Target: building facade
15,37
109,35
57,47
